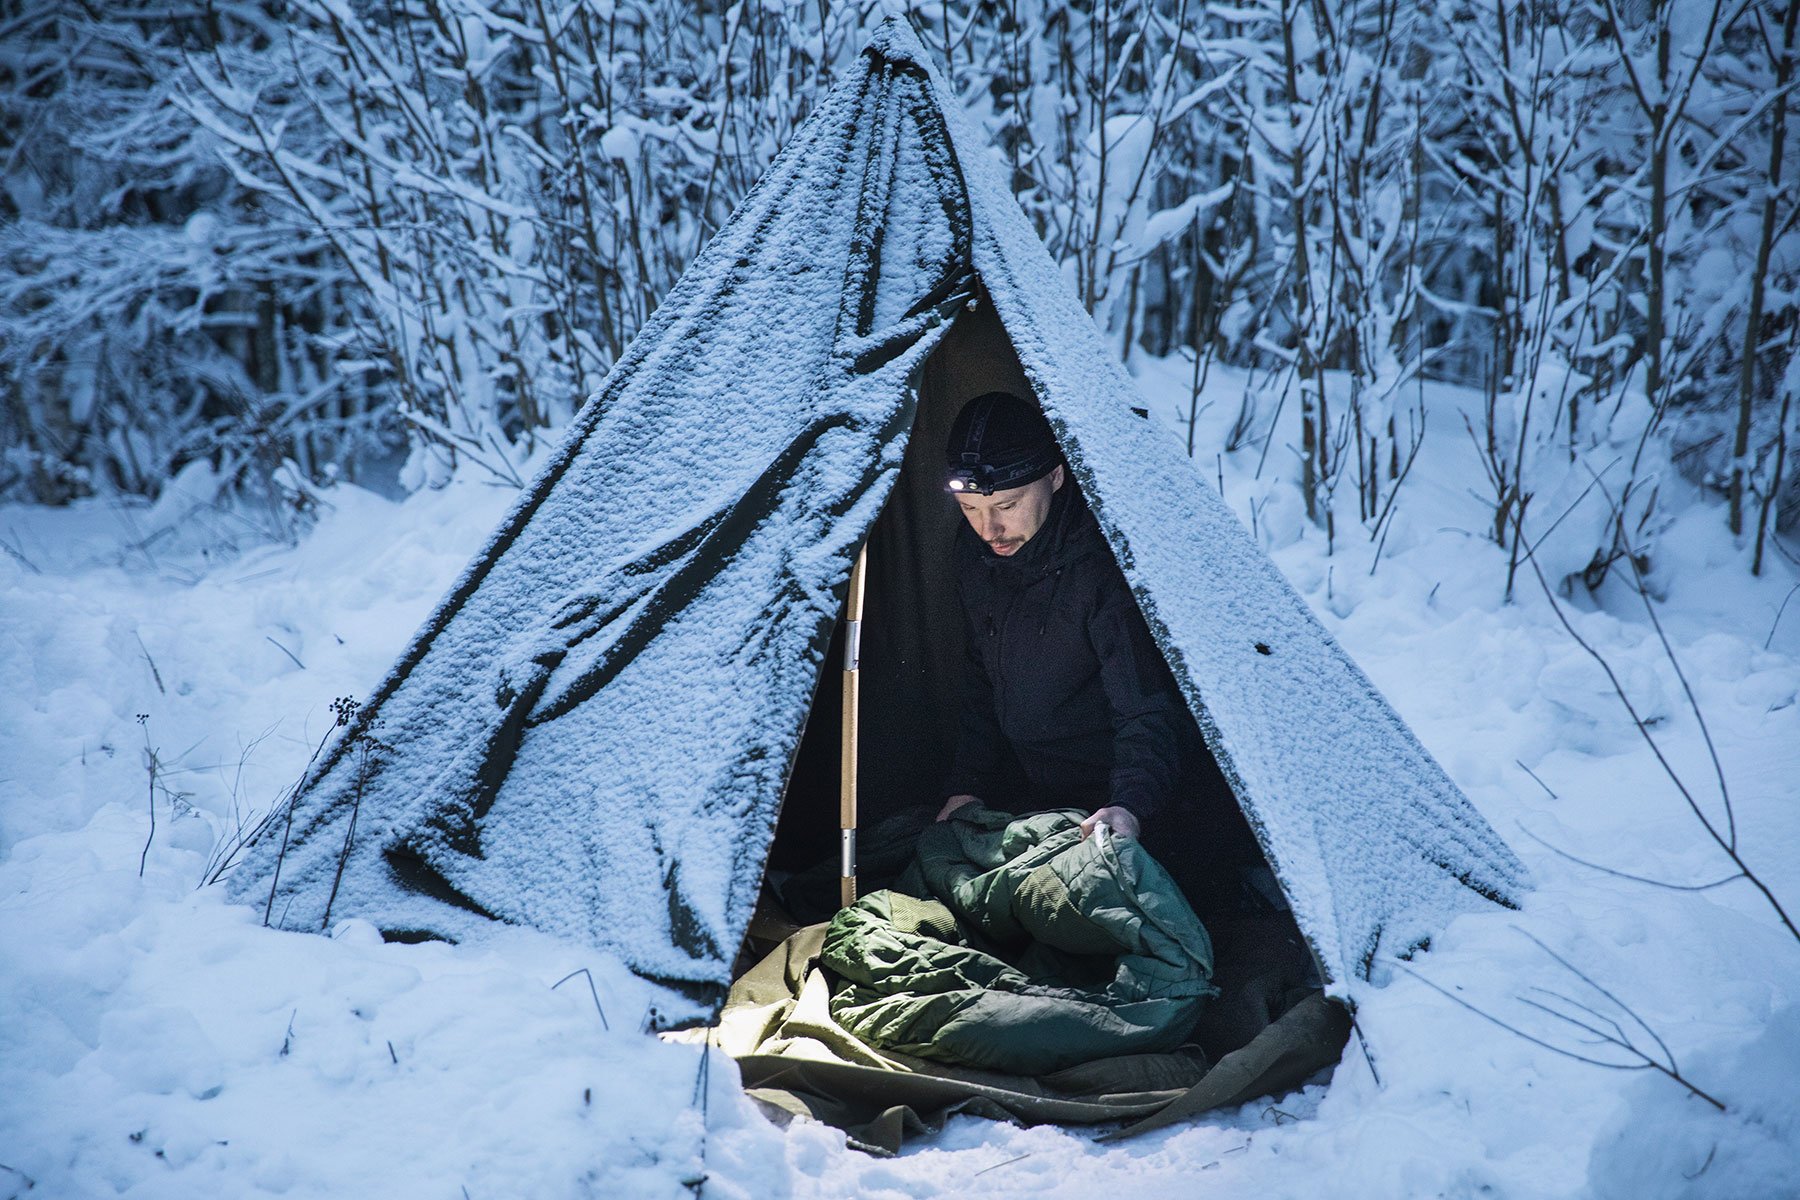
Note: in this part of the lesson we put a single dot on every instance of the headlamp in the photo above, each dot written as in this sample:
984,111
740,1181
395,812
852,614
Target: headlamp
998,442
976,479
982,479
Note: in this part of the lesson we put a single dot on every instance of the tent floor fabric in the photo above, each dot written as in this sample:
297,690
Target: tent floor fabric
796,1060
1268,1032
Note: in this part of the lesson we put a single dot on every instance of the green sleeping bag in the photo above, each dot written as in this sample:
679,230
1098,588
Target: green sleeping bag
1013,944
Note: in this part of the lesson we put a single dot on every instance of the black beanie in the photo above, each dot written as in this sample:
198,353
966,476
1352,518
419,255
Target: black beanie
999,441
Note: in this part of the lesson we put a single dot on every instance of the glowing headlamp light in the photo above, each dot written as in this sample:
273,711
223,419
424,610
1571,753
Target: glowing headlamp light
976,480
982,479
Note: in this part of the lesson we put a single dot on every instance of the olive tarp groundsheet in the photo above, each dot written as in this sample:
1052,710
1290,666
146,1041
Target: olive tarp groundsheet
1015,970
796,1060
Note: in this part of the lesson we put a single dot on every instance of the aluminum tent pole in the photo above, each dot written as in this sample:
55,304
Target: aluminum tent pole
853,613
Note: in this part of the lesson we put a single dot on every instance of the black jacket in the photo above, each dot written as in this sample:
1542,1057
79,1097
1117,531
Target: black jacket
1066,700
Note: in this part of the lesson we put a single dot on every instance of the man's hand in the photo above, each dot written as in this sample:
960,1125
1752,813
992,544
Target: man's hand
1119,820
954,803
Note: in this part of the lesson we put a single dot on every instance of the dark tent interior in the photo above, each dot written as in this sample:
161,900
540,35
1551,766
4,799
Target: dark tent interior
911,664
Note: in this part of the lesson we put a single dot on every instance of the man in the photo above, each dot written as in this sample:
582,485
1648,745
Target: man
1066,701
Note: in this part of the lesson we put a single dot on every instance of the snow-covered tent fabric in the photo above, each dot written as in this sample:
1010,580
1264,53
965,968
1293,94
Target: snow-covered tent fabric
594,732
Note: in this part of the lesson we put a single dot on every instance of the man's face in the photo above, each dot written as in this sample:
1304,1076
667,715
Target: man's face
1007,519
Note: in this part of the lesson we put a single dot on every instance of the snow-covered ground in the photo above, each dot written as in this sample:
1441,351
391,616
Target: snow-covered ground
156,1040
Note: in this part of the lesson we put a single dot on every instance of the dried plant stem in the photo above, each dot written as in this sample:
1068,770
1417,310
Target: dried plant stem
151,765
1582,1017
1725,839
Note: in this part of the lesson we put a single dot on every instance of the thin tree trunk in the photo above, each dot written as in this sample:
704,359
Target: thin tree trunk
1769,497
1306,367
1740,448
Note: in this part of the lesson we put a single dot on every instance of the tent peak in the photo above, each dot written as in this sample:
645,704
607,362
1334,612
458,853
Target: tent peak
897,41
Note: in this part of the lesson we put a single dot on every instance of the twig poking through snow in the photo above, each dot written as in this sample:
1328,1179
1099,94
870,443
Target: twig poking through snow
156,676
284,650
18,556
1770,640
592,991
343,708
1219,1162
365,743
1712,751
150,763
1725,839
702,1099
1536,780
1601,1030
1618,874
1368,1058
1004,1163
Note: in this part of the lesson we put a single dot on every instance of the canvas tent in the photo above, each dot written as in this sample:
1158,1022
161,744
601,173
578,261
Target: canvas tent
595,731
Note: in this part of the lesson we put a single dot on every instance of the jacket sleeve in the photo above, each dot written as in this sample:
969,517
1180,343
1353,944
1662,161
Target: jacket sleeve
980,746
1146,712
